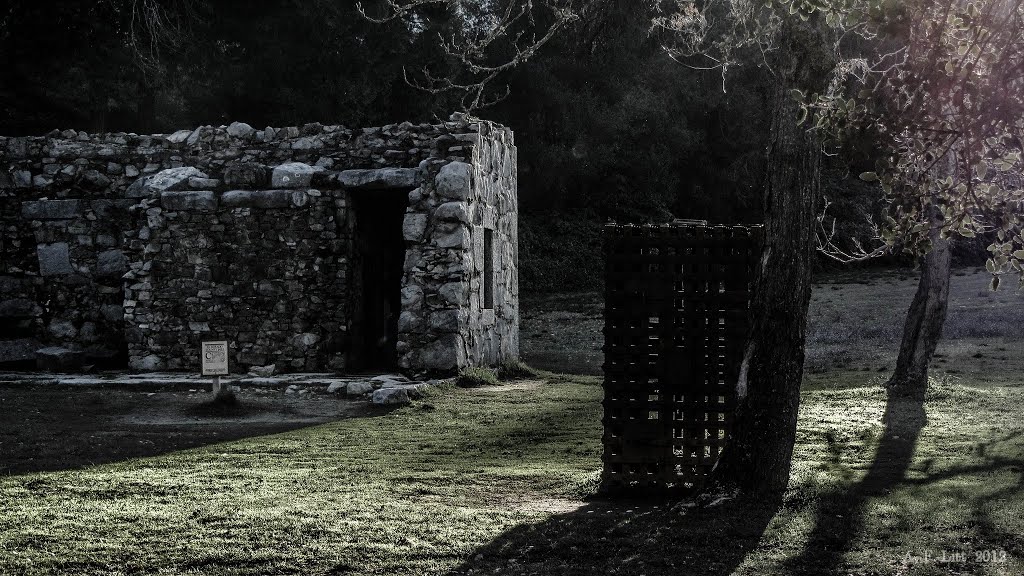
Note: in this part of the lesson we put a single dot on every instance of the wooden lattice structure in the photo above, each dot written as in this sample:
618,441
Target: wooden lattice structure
676,301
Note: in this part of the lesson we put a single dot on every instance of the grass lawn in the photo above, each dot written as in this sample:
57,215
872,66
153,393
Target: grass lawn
493,480
496,480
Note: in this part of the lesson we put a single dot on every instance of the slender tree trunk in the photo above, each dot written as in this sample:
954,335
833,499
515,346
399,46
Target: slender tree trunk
760,450
927,314
923,327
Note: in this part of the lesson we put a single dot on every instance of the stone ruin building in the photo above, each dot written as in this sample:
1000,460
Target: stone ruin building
313,248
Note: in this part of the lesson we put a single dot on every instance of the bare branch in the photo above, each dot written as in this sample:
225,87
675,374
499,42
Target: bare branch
153,27
826,240
492,40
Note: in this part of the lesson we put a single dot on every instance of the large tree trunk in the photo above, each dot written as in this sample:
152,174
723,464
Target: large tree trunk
923,326
760,450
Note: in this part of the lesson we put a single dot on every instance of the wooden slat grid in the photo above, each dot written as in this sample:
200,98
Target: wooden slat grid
676,300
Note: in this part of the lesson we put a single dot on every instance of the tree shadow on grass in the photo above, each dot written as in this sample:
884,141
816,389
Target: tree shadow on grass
629,537
45,429
652,538
842,514
996,538
655,538
638,537
988,536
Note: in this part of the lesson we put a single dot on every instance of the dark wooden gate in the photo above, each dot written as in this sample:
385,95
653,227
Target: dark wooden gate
676,301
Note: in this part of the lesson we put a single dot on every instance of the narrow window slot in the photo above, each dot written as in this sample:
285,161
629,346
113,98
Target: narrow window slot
488,269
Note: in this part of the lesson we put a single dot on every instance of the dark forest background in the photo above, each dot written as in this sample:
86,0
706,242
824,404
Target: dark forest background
608,127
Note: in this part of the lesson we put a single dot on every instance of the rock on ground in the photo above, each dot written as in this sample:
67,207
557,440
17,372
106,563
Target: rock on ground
358,388
263,371
391,396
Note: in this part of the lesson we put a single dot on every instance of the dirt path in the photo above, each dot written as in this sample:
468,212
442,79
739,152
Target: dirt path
45,427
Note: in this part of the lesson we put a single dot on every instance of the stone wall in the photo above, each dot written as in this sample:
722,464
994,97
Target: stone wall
76,208
444,292
492,333
264,270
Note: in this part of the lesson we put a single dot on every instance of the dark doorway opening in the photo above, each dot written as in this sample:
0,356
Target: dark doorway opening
380,249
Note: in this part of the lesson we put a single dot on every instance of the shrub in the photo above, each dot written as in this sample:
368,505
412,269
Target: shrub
514,370
559,253
474,377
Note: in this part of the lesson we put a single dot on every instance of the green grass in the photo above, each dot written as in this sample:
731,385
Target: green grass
493,479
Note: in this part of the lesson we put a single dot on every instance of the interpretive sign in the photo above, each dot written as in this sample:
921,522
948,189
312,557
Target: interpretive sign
215,358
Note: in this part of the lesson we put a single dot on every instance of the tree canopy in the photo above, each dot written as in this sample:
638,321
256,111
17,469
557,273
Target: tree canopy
949,89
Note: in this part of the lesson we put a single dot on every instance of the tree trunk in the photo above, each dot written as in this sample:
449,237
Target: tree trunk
760,450
925,318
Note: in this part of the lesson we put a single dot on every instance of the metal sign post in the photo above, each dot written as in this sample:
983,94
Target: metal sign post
215,362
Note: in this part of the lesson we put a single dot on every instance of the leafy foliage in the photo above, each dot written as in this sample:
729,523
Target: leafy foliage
946,106
935,87
558,253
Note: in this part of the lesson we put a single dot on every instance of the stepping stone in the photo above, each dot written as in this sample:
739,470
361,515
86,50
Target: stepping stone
58,359
391,396
359,388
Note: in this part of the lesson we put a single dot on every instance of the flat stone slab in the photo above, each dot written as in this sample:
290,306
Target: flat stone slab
195,200
380,178
362,386
171,179
56,358
52,209
54,259
293,175
258,198
359,388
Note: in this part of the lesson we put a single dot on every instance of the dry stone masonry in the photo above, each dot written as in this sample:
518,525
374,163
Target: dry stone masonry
312,248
